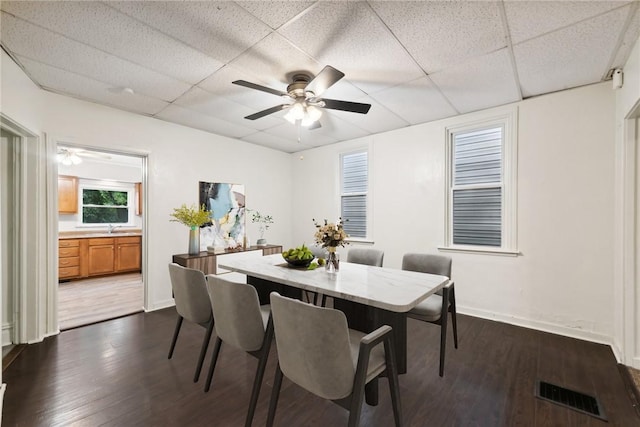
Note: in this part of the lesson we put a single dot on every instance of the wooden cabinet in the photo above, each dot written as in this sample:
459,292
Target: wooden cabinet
87,257
101,256
128,254
67,194
138,198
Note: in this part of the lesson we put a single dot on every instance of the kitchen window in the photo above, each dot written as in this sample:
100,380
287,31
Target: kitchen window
481,209
107,204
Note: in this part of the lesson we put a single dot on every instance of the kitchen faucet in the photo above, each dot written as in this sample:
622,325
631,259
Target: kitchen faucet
112,227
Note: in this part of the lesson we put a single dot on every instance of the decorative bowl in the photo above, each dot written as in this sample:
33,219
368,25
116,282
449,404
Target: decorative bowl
298,262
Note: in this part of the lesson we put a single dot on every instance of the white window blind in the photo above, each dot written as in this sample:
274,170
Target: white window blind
477,187
355,183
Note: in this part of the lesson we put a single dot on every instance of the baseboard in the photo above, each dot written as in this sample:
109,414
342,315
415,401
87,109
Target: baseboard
635,363
539,326
160,305
7,333
617,352
2,390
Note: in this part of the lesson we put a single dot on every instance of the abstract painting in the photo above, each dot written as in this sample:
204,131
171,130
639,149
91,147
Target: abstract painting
226,206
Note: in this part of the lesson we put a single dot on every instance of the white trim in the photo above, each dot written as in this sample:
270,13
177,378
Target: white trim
367,148
506,118
7,333
101,184
159,305
3,388
484,250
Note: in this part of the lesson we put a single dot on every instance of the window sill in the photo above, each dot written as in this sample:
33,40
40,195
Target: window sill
360,241
478,250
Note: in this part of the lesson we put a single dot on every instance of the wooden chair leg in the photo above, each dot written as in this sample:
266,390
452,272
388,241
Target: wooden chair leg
443,328
203,350
454,322
212,366
175,336
392,376
275,393
262,364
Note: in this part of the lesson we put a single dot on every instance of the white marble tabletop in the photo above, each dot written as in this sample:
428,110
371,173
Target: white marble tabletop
386,288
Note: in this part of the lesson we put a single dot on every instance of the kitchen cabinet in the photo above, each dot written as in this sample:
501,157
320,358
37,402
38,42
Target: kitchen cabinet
128,254
67,194
68,258
138,198
101,256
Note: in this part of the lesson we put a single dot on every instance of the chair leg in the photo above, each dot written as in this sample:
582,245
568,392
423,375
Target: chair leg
275,393
392,376
212,366
454,322
443,328
203,350
175,336
262,364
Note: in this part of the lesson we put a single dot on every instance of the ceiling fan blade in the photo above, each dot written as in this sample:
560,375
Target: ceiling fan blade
267,111
353,107
314,125
324,80
259,87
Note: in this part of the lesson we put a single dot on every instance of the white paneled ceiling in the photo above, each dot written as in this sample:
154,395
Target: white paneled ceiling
414,62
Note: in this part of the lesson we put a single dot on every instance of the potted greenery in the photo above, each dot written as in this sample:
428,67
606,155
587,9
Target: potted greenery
193,217
265,221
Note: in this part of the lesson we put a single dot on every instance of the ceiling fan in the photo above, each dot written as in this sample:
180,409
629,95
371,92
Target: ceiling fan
304,98
73,156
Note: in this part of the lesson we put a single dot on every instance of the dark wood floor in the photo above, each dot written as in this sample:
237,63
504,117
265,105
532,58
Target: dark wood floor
116,373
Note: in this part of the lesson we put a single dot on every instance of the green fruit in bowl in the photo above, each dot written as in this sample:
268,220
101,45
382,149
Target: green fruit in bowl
300,256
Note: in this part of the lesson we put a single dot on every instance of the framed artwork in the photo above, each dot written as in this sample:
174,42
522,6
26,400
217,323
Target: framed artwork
226,206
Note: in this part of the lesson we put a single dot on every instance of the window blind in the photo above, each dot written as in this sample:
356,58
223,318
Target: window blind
478,157
477,217
355,182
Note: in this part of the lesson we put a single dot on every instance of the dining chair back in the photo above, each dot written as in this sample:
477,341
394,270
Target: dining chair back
192,303
241,323
318,352
366,256
435,308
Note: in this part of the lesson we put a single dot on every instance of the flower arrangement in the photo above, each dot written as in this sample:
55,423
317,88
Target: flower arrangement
330,235
192,217
263,220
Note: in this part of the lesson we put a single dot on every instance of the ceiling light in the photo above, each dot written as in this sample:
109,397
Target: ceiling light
68,158
307,114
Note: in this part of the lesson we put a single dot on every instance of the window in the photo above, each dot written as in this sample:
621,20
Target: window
106,204
481,186
353,201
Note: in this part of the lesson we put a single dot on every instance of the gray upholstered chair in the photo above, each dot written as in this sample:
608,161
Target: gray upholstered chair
318,352
435,308
366,256
242,323
190,294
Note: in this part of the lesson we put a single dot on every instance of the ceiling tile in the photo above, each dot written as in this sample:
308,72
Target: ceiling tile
34,42
107,29
529,19
481,82
338,128
276,142
207,103
350,37
418,101
378,119
91,90
567,58
628,40
439,34
307,137
221,29
190,118
275,13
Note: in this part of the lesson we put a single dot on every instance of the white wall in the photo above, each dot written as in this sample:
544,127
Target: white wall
178,158
99,170
562,280
6,254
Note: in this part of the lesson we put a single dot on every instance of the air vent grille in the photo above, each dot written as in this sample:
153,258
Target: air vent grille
571,399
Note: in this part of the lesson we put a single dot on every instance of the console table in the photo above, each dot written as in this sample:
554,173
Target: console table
208,262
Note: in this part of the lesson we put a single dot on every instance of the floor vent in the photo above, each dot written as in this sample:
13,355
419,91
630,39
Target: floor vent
570,399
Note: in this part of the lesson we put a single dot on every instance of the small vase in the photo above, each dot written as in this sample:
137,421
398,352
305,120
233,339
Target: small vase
194,241
333,261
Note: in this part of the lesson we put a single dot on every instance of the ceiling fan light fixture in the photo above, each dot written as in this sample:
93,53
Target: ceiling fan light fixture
68,158
295,113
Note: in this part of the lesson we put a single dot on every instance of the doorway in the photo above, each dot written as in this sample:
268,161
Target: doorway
100,234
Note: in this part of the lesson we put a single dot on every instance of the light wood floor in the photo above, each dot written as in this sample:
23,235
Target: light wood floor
82,302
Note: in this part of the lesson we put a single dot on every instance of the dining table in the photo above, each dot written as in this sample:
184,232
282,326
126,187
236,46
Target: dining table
369,296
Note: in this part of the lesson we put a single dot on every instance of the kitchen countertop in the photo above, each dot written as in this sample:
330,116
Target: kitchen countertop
97,234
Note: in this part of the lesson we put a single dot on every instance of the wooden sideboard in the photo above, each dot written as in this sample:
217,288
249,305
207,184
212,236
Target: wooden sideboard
207,262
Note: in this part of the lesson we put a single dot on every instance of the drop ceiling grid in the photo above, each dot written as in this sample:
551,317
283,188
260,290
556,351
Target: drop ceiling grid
117,34
441,34
40,45
629,37
275,13
187,117
571,57
353,39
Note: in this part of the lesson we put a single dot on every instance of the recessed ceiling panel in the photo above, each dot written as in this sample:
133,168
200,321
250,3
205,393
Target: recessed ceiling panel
194,119
107,29
338,128
441,34
350,37
221,29
34,42
276,142
481,82
275,13
529,19
378,119
567,58
418,101
78,86
290,132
